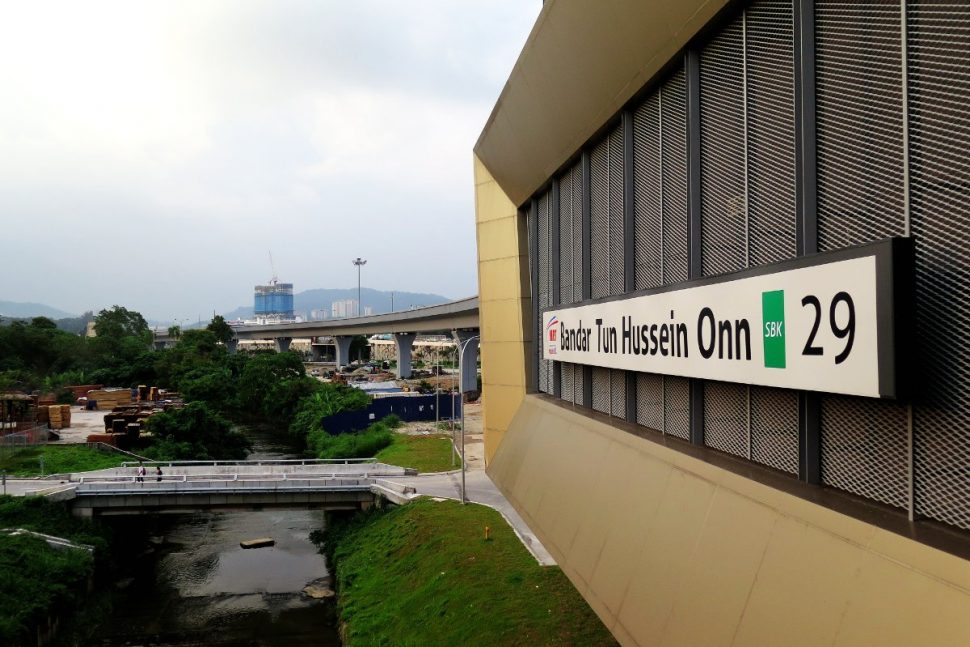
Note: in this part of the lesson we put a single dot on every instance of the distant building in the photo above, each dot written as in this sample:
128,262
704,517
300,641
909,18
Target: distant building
344,308
274,300
317,315
368,310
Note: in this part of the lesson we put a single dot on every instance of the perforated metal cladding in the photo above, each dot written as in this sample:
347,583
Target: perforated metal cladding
774,428
543,249
566,238
648,194
660,185
859,122
726,417
865,448
939,96
677,406
606,216
571,374
650,400
601,389
723,199
618,393
770,64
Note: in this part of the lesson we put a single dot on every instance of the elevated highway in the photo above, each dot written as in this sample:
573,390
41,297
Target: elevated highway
458,318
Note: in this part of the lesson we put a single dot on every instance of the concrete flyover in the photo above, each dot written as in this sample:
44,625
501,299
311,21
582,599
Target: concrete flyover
457,318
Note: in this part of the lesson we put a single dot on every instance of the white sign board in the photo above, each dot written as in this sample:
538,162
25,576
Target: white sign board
825,326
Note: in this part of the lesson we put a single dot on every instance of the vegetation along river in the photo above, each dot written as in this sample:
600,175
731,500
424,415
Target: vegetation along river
191,583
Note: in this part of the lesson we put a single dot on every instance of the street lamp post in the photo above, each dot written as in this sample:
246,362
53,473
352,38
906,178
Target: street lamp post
358,262
461,399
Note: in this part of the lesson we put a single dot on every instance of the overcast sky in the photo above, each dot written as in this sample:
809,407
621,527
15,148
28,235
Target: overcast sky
152,154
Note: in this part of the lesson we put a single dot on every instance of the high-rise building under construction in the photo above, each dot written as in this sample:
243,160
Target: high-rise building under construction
274,300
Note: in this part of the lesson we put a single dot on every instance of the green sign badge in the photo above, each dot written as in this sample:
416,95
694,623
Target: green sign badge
773,316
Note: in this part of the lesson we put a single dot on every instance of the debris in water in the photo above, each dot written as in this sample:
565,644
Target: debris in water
262,542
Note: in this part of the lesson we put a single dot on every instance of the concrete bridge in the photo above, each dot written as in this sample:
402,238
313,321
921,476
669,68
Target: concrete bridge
458,318
192,486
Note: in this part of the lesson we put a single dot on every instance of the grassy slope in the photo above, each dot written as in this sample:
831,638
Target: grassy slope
58,459
423,453
422,574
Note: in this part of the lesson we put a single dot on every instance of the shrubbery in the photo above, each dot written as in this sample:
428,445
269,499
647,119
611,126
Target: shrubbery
356,444
195,432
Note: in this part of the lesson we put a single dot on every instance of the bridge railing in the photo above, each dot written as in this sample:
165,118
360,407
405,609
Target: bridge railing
223,485
242,477
280,461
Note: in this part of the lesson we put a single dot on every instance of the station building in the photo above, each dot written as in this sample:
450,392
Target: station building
724,280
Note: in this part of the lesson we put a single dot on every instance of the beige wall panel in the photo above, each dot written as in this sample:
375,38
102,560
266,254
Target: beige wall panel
808,614
493,237
671,550
665,559
583,61
721,571
503,362
497,279
892,605
504,321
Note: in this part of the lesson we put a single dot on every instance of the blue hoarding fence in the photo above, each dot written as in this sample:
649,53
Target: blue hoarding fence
409,408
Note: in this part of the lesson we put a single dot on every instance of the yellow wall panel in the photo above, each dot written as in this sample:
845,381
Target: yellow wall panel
670,550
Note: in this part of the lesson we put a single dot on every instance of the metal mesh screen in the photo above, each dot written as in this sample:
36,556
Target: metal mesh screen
859,122
618,393
648,194
599,230
543,245
770,64
601,389
723,190
579,254
566,238
660,185
650,400
568,388
865,448
673,115
774,428
606,216
677,406
939,75
726,417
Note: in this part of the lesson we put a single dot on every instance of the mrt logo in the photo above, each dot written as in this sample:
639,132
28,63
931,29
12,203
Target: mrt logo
552,334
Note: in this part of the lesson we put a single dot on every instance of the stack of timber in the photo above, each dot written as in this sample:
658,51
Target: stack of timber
108,399
65,415
54,416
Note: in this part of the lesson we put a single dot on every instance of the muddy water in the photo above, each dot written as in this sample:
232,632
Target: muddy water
193,585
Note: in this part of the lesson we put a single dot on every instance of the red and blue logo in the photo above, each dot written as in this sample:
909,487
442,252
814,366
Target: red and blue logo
551,332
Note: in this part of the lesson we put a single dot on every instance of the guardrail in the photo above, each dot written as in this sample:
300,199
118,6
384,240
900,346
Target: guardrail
225,478
274,461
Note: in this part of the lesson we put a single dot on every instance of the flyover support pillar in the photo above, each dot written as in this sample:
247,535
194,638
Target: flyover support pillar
404,342
283,344
467,341
232,346
342,342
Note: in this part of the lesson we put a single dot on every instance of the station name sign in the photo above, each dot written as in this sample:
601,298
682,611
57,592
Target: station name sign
826,322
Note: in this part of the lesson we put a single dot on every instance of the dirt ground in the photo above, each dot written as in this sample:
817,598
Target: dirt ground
474,441
82,423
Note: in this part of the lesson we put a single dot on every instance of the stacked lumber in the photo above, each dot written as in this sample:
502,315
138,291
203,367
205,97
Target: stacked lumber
108,399
54,416
65,416
81,390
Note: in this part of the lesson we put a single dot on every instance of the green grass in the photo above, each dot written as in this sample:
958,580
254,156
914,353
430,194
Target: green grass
58,459
423,574
430,453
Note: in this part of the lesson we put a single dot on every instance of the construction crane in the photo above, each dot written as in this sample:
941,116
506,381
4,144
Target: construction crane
272,265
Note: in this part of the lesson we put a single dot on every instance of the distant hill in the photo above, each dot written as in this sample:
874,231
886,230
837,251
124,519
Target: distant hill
320,299
26,310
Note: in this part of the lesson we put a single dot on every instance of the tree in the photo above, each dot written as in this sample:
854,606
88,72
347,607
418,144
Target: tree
174,332
195,432
220,329
121,322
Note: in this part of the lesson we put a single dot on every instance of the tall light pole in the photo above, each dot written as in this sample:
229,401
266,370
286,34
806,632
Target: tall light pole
358,262
461,398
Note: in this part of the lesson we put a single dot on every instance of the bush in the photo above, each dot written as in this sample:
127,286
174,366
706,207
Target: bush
195,432
326,400
357,444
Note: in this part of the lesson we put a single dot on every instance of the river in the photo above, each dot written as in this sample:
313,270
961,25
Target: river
191,583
